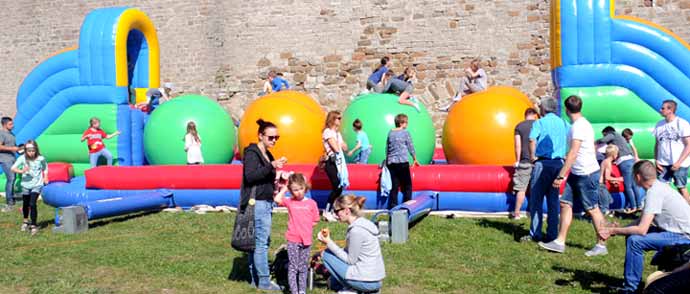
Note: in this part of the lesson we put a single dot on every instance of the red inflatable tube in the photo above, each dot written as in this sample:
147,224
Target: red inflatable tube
60,172
457,178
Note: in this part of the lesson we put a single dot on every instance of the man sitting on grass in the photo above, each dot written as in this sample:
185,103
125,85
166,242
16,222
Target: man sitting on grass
666,209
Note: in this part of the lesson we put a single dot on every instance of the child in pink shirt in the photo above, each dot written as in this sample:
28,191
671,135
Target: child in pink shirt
303,214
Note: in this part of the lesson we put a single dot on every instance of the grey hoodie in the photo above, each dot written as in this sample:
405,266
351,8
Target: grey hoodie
363,252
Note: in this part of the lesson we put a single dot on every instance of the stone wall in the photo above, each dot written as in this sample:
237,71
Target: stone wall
223,49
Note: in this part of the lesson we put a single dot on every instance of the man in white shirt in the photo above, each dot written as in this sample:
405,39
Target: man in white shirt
672,147
583,181
665,209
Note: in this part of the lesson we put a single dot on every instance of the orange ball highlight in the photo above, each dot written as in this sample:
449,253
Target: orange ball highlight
480,128
300,120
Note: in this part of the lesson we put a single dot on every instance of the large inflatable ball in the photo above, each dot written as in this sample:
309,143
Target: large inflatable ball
299,118
377,113
480,128
166,127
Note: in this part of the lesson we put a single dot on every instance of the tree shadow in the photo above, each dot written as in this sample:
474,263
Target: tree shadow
594,282
512,229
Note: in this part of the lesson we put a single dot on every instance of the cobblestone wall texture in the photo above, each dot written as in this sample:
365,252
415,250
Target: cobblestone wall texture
223,49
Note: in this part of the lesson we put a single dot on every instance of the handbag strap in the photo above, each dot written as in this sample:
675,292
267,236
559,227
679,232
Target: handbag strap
252,194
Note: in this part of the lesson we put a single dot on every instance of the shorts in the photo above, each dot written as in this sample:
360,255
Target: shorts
585,188
521,176
680,177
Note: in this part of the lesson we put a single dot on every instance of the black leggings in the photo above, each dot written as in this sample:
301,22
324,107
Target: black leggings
29,205
332,173
400,178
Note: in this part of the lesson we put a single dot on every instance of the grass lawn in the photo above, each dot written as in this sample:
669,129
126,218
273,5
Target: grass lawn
190,253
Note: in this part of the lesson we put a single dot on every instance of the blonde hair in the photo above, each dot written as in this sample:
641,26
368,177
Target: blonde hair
331,117
354,203
298,179
611,151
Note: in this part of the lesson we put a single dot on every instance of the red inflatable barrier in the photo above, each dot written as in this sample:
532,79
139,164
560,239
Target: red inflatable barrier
457,178
60,172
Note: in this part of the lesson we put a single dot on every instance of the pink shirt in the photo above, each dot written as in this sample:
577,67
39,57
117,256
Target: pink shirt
302,216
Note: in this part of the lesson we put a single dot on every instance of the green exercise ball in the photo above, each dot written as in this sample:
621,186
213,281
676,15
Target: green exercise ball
166,127
377,113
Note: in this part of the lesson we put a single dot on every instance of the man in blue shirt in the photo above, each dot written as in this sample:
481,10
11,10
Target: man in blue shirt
548,144
277,82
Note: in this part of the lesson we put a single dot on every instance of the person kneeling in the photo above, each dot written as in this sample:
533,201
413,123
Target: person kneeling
360,266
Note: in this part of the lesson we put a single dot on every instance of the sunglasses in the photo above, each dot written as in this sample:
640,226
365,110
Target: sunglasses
273,138
338,210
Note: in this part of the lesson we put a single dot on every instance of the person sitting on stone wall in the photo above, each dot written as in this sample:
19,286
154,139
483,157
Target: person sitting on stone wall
475,80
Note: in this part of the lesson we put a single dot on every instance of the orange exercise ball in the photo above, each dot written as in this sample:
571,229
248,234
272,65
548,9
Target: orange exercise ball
480,128
299,118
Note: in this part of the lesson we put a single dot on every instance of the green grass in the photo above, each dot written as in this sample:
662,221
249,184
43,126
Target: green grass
189,253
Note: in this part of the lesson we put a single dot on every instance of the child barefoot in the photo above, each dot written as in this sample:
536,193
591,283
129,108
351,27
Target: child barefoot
303,214
34,170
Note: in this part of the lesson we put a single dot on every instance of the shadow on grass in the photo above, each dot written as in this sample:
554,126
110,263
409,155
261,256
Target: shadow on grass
119,219
239,271
594,282
513,229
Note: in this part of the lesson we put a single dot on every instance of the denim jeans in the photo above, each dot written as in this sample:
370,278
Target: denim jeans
93,157
636,245
633,192
338,270
543,174
9,185
258,259
363,156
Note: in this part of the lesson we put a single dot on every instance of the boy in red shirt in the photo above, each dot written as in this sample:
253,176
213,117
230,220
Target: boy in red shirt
94,141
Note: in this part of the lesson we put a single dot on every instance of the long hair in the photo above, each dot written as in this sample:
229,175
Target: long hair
331,117
31,144
92,121
354,203
191,129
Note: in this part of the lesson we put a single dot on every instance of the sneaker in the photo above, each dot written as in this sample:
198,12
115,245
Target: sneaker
346,291
416,106
553,246
527,238
25,227
34,230
8,208
597,250
329,217
513,216
271,286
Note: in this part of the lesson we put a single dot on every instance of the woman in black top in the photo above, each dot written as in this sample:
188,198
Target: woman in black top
258,176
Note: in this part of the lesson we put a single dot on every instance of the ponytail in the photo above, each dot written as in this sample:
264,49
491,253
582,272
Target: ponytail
354,203
263,125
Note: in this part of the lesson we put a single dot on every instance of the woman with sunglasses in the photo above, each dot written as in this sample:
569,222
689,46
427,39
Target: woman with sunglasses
258,176
334,145
34,170
359,267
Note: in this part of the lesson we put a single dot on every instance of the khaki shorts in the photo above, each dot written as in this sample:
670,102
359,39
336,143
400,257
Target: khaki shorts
521,176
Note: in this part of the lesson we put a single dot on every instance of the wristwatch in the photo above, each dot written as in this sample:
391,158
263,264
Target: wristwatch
560,178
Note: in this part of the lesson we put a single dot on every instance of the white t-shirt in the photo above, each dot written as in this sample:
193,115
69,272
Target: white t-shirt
669,137
327,134
193,148
586,161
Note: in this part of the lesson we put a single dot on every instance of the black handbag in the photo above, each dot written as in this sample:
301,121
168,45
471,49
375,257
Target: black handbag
243,231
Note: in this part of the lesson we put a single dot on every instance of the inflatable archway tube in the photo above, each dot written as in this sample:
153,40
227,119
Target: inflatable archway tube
124,205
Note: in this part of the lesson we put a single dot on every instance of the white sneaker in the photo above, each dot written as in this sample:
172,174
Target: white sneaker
346,291
597,250
34,230
25,227
329,217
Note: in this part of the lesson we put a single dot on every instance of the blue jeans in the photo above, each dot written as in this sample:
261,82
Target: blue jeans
543,174
93,157
258,259
636,245
9,185
362,156
585,188
633,192
338,270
